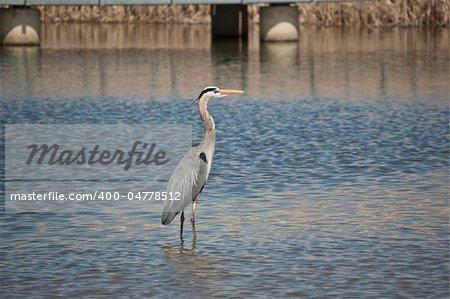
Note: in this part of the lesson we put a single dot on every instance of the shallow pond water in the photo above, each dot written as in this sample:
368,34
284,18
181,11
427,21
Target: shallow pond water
330,177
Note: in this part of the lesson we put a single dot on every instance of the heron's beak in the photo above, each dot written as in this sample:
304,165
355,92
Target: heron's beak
230,91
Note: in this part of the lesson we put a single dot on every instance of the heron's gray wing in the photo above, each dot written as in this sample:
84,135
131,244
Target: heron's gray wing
187,180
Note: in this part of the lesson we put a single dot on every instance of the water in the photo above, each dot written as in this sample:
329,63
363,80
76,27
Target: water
330,176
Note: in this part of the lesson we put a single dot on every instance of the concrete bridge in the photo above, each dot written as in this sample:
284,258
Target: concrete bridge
20,23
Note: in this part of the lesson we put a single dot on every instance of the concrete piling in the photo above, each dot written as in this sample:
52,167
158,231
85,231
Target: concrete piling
279,23
20,26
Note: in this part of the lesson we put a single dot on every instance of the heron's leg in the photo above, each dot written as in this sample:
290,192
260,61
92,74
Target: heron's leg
194,234
194,204
194,238
181,228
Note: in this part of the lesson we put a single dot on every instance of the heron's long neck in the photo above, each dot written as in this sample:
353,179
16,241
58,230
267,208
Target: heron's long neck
209,136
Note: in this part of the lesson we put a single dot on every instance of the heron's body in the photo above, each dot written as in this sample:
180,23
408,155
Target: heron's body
189,178
192,172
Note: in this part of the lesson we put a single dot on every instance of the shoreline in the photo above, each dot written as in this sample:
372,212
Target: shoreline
381,13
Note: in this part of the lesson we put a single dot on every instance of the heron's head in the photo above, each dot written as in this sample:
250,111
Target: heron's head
212,92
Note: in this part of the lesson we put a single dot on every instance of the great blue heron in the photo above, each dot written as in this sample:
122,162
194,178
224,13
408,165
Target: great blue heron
190,175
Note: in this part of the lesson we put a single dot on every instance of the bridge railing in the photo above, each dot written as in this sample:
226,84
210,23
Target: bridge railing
151,2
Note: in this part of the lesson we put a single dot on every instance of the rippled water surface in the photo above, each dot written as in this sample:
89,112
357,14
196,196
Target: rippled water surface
330,176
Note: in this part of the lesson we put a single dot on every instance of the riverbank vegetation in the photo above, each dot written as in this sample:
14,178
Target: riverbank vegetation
369,13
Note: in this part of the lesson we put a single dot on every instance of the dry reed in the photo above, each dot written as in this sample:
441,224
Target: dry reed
369,13
195,14
378,13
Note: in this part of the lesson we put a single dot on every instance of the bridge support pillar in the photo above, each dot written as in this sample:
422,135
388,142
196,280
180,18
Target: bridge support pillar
229,20
278,23
20,27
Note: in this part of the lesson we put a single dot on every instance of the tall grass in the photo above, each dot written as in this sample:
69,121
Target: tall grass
378,13
369,13
126,13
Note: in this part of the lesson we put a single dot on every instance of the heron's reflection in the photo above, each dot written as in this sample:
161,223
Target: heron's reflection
196,265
